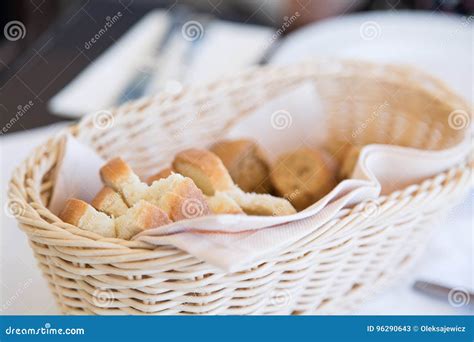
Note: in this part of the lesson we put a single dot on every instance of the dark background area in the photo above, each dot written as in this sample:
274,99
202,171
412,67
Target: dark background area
51,53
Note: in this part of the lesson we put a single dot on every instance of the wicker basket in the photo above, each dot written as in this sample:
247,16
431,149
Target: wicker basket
331,270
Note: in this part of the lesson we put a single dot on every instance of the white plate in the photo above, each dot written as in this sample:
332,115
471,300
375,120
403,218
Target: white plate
437,43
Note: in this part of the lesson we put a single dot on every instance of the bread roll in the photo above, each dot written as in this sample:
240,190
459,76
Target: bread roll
246,164
110,202
211,176
205,169
179,197
303,177
84,216
141,216
118,175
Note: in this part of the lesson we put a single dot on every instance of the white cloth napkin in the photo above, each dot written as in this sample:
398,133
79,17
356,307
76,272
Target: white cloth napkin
250,237
223,48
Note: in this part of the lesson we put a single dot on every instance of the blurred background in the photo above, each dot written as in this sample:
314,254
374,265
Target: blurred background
46,45
62,59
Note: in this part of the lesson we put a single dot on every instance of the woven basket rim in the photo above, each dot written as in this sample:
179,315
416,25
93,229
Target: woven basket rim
168,101
97,241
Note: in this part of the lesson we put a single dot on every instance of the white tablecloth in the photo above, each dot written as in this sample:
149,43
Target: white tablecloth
448,259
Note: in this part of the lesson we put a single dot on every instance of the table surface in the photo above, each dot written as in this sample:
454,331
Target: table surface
448,258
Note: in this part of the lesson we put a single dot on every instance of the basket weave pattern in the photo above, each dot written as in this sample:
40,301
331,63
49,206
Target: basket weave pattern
331,270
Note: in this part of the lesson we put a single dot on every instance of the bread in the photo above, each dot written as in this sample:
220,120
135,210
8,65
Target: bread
261,204
119,176
211,176
349,161
179,197
141,216
222,203
84,216
303,177
109,202
205,169
162,174
246,164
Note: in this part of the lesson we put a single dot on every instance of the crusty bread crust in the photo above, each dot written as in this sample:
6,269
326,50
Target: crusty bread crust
73,211
84,216
118,175
159,175
143,215
149,215
186,201
246,163
232,151
303,177
115,171
109,202
205,169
